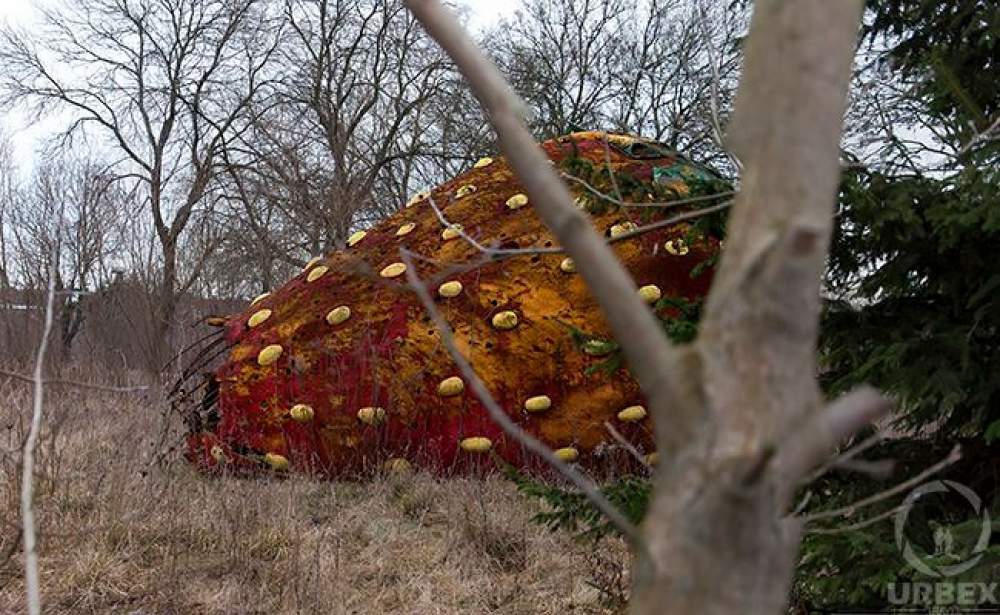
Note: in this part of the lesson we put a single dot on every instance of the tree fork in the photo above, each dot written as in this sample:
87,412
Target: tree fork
738,415
717,528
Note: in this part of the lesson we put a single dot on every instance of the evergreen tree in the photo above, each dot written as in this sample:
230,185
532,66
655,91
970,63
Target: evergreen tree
913,275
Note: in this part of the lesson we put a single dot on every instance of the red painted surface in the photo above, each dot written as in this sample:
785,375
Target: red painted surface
387,354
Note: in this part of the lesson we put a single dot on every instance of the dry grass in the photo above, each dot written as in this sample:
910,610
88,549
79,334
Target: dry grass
120,536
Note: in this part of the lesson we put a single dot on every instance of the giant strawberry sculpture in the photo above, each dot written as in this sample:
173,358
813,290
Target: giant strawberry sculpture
340,370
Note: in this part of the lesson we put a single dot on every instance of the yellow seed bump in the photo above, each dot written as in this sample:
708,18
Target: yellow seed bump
450,289
621,228
276,461
397,465
260,297
268,355
371,416
483,162
567,265
677,247
539,403
217,454
652,459
465,190
355,238
632,414
316,273
338,315
476,445
393,270
650,293
517,201
453,231
505,321
567,454
312,261
449,387
258,317
406,229
216,321
301,413
416,198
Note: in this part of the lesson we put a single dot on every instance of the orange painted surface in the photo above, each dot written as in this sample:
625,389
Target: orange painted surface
384,353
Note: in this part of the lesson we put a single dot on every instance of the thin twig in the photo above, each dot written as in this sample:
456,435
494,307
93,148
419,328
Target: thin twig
878,469
672,203
628,317
688,215
611,169
802,504
846,456
642,230
985,135
588,488
856,526
720,139
31,582
620,439
74,383
847,511
475,244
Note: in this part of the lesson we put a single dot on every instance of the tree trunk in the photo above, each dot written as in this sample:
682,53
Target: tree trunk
719,540
162,343
70,323
739,418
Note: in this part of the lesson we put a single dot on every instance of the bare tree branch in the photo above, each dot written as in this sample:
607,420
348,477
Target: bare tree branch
850,509
617,201
860,525
31,579
807,447
509,252
632,450
588,488
632,323
74,383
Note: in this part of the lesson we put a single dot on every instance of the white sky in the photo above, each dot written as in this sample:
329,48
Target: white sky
481,12
27,139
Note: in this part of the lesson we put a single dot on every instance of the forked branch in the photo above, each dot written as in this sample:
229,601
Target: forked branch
650,356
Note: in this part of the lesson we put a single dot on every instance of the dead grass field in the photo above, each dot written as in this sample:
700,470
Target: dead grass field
119,534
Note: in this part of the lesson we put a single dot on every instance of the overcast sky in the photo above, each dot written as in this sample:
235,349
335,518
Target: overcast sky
21,13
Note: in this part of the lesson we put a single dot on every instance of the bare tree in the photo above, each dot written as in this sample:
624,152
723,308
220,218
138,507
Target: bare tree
665,69
563,57
677,75
361,75
92,206
343,145
284,191
8,199
346,142
167,84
